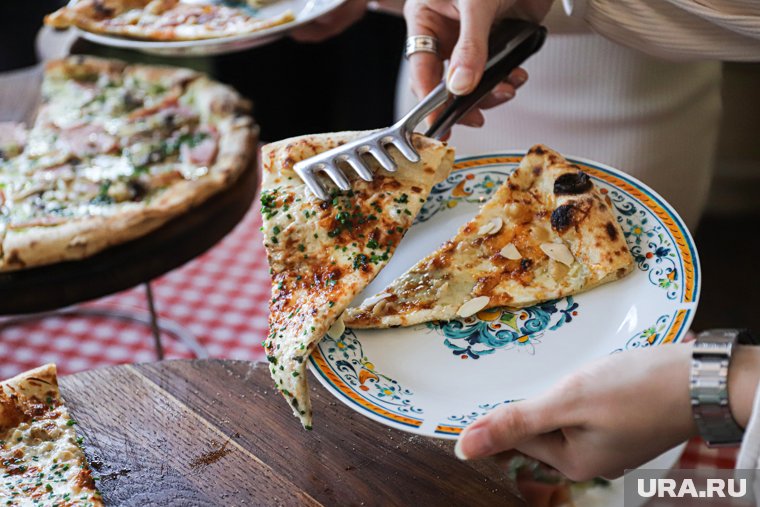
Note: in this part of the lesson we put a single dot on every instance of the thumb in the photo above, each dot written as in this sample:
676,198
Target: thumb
468,59
507,427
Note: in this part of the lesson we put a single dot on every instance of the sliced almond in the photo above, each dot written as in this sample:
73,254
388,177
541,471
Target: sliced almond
497,223
559,252
337,329
473,306
485,229
372,300
379,307
510,252
491,227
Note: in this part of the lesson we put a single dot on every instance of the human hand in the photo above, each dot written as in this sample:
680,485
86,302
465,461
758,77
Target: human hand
462,28
616,413
332,23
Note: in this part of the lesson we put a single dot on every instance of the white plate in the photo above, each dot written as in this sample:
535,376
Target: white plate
434,379
304,10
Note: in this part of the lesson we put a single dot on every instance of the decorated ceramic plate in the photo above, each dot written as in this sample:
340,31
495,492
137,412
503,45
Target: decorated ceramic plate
436,378
304,11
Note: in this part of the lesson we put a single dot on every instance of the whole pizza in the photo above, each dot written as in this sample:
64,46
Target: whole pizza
165,20
116,151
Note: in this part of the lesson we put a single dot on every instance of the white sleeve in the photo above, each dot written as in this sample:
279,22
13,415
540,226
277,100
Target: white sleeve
749,453
677,29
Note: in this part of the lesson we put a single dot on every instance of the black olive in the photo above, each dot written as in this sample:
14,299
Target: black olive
562,217
611,231
137,189
572,183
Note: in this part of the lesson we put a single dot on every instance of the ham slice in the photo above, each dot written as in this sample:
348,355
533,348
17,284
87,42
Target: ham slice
87,140
203,151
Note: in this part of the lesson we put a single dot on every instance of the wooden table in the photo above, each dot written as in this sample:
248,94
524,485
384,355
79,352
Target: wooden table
213,432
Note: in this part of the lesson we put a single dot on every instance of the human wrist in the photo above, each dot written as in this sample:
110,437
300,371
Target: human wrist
679,368
743,377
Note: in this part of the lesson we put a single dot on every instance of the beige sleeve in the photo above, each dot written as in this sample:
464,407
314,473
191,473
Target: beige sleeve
677,29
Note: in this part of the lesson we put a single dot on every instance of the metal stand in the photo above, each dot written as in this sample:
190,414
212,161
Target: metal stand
154,322
151,320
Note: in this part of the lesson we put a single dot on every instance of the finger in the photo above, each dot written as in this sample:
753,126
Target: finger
471,51
425,69
500,94
473,118
517,77
511,425
549,448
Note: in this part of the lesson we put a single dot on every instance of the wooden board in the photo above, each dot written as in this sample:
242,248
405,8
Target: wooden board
124,266
214,432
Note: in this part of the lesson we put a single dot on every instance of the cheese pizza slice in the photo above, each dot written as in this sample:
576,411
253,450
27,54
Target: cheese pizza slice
323,253
546,233
41,460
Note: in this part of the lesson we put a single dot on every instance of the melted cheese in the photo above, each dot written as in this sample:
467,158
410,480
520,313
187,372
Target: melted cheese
41,463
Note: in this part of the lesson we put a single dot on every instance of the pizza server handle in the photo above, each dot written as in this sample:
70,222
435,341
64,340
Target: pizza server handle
511,42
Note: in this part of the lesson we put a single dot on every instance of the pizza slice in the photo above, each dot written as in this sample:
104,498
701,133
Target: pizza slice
41,460
323,253
546,233
164,20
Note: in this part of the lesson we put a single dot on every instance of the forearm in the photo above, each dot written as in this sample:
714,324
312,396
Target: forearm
677,29
743,378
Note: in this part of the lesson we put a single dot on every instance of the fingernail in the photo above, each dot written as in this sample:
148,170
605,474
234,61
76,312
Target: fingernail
518,79
478,442
472,123
506,95
460,81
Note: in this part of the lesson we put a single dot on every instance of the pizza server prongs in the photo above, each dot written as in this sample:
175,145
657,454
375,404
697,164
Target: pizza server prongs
511,43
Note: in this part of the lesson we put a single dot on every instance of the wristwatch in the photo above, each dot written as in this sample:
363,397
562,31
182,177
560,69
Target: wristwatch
708,385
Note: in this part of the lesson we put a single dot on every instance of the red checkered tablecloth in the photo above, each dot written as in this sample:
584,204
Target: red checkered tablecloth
220,297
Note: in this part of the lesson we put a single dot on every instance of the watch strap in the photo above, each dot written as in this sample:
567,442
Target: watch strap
711,357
